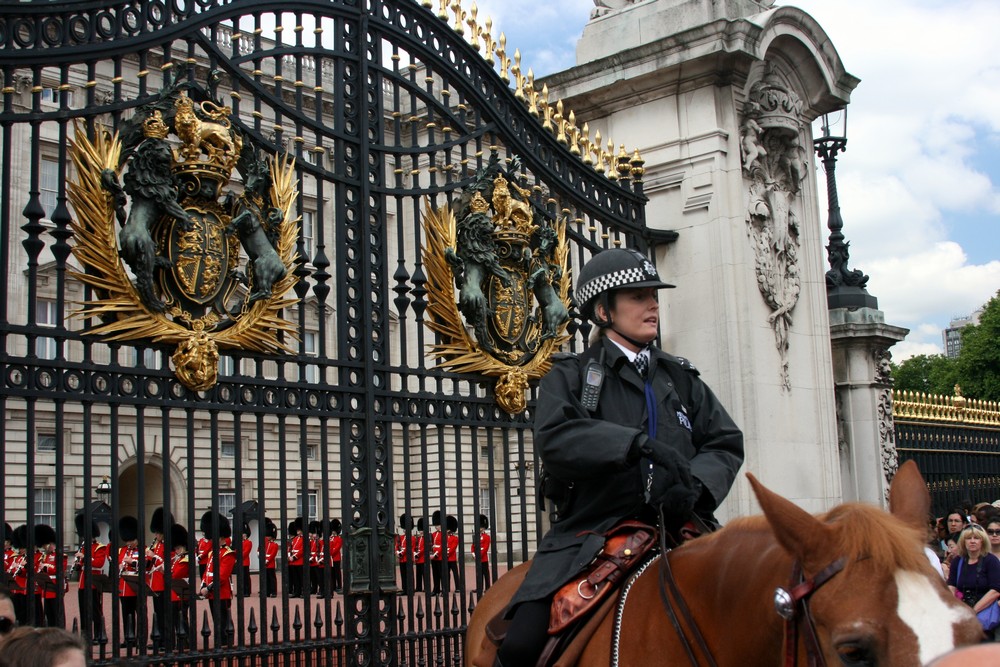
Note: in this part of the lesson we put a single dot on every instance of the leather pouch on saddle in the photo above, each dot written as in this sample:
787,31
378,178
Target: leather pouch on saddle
624,547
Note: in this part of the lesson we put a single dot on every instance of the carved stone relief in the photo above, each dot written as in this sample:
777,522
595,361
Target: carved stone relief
604,7
775,163
842,443
886,425
882,359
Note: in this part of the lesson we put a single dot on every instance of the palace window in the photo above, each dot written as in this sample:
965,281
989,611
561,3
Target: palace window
45,506
45,442
309,234
313,512
310,349
48,185
46,315
227,503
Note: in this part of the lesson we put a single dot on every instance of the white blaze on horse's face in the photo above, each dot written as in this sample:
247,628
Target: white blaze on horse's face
932,620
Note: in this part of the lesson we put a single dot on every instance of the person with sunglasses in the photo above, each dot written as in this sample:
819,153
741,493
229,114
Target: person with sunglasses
993,532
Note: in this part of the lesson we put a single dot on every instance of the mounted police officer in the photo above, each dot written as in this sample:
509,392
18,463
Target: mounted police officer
623,430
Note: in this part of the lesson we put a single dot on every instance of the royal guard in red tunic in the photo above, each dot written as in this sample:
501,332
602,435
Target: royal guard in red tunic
180,591
271,549
155,564
91,592
336,556
51,578
245,562
17,573
215,583
202,551
315,558
437,553
404,547
128,577
451,542
296,557
419,557
8,550
481,552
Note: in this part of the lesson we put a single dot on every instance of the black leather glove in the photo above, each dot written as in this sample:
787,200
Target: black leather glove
672,484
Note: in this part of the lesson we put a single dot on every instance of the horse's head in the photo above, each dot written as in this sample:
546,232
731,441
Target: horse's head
887,606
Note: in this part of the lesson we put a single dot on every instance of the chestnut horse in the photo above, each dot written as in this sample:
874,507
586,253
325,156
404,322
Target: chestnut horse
870,599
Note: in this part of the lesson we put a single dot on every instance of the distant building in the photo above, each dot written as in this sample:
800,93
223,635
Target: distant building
953,334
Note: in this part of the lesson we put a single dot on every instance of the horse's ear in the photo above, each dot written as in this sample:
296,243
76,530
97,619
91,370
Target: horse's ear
801,534
909,500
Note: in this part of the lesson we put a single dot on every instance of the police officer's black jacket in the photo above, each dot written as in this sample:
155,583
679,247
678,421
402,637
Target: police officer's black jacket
590,451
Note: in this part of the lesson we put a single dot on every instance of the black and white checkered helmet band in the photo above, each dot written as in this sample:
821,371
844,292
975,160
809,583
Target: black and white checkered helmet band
615,280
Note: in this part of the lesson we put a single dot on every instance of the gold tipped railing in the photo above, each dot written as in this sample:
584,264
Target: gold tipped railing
555,119
957,409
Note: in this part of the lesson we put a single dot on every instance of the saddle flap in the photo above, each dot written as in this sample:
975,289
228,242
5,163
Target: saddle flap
624,547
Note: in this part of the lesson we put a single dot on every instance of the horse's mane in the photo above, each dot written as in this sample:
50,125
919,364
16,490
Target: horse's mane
862,532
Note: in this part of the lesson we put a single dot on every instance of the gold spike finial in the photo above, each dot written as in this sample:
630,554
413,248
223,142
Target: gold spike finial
504,60
518,77
473,26
574,133
546,108
622,164
488,44
443,10
456,8
585,144
637,166
598,151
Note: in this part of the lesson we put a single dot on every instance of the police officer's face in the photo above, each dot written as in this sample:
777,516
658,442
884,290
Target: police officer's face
636,314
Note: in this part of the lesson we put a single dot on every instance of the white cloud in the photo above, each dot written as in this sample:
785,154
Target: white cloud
925,290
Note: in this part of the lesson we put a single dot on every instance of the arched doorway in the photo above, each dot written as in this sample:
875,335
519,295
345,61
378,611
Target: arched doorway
151,484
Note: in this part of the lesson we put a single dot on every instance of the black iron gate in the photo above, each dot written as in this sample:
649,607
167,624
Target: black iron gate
956,443
388,107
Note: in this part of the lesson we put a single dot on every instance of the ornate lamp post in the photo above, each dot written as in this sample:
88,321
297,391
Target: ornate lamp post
103,489
844,288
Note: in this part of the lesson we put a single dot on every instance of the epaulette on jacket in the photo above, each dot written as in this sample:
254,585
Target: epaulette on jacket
684,363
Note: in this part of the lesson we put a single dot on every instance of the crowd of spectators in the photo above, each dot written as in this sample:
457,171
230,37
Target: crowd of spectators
966,540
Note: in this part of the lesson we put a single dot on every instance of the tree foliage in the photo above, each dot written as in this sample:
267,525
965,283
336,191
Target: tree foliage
979,360
976,370
928,373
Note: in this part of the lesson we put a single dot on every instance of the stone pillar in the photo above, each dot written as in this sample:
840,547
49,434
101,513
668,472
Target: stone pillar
860,341
719,97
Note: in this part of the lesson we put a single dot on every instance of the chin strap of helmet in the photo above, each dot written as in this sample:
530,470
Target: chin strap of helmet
608,324
639,344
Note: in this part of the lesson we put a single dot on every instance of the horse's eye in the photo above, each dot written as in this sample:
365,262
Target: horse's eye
855,655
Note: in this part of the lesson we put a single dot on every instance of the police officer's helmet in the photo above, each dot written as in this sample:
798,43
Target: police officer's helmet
610,270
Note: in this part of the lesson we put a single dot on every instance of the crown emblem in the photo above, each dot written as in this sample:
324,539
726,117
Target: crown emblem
209,146
774,105
510,269
192,265
154,127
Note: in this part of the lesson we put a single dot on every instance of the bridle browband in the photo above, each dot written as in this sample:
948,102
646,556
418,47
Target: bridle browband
793,604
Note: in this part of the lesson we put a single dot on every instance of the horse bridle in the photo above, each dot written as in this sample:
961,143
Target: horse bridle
793,604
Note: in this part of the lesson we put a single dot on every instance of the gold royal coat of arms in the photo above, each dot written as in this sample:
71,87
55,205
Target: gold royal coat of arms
171,255
509,265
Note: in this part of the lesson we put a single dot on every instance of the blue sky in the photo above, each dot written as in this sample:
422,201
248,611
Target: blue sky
919,184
